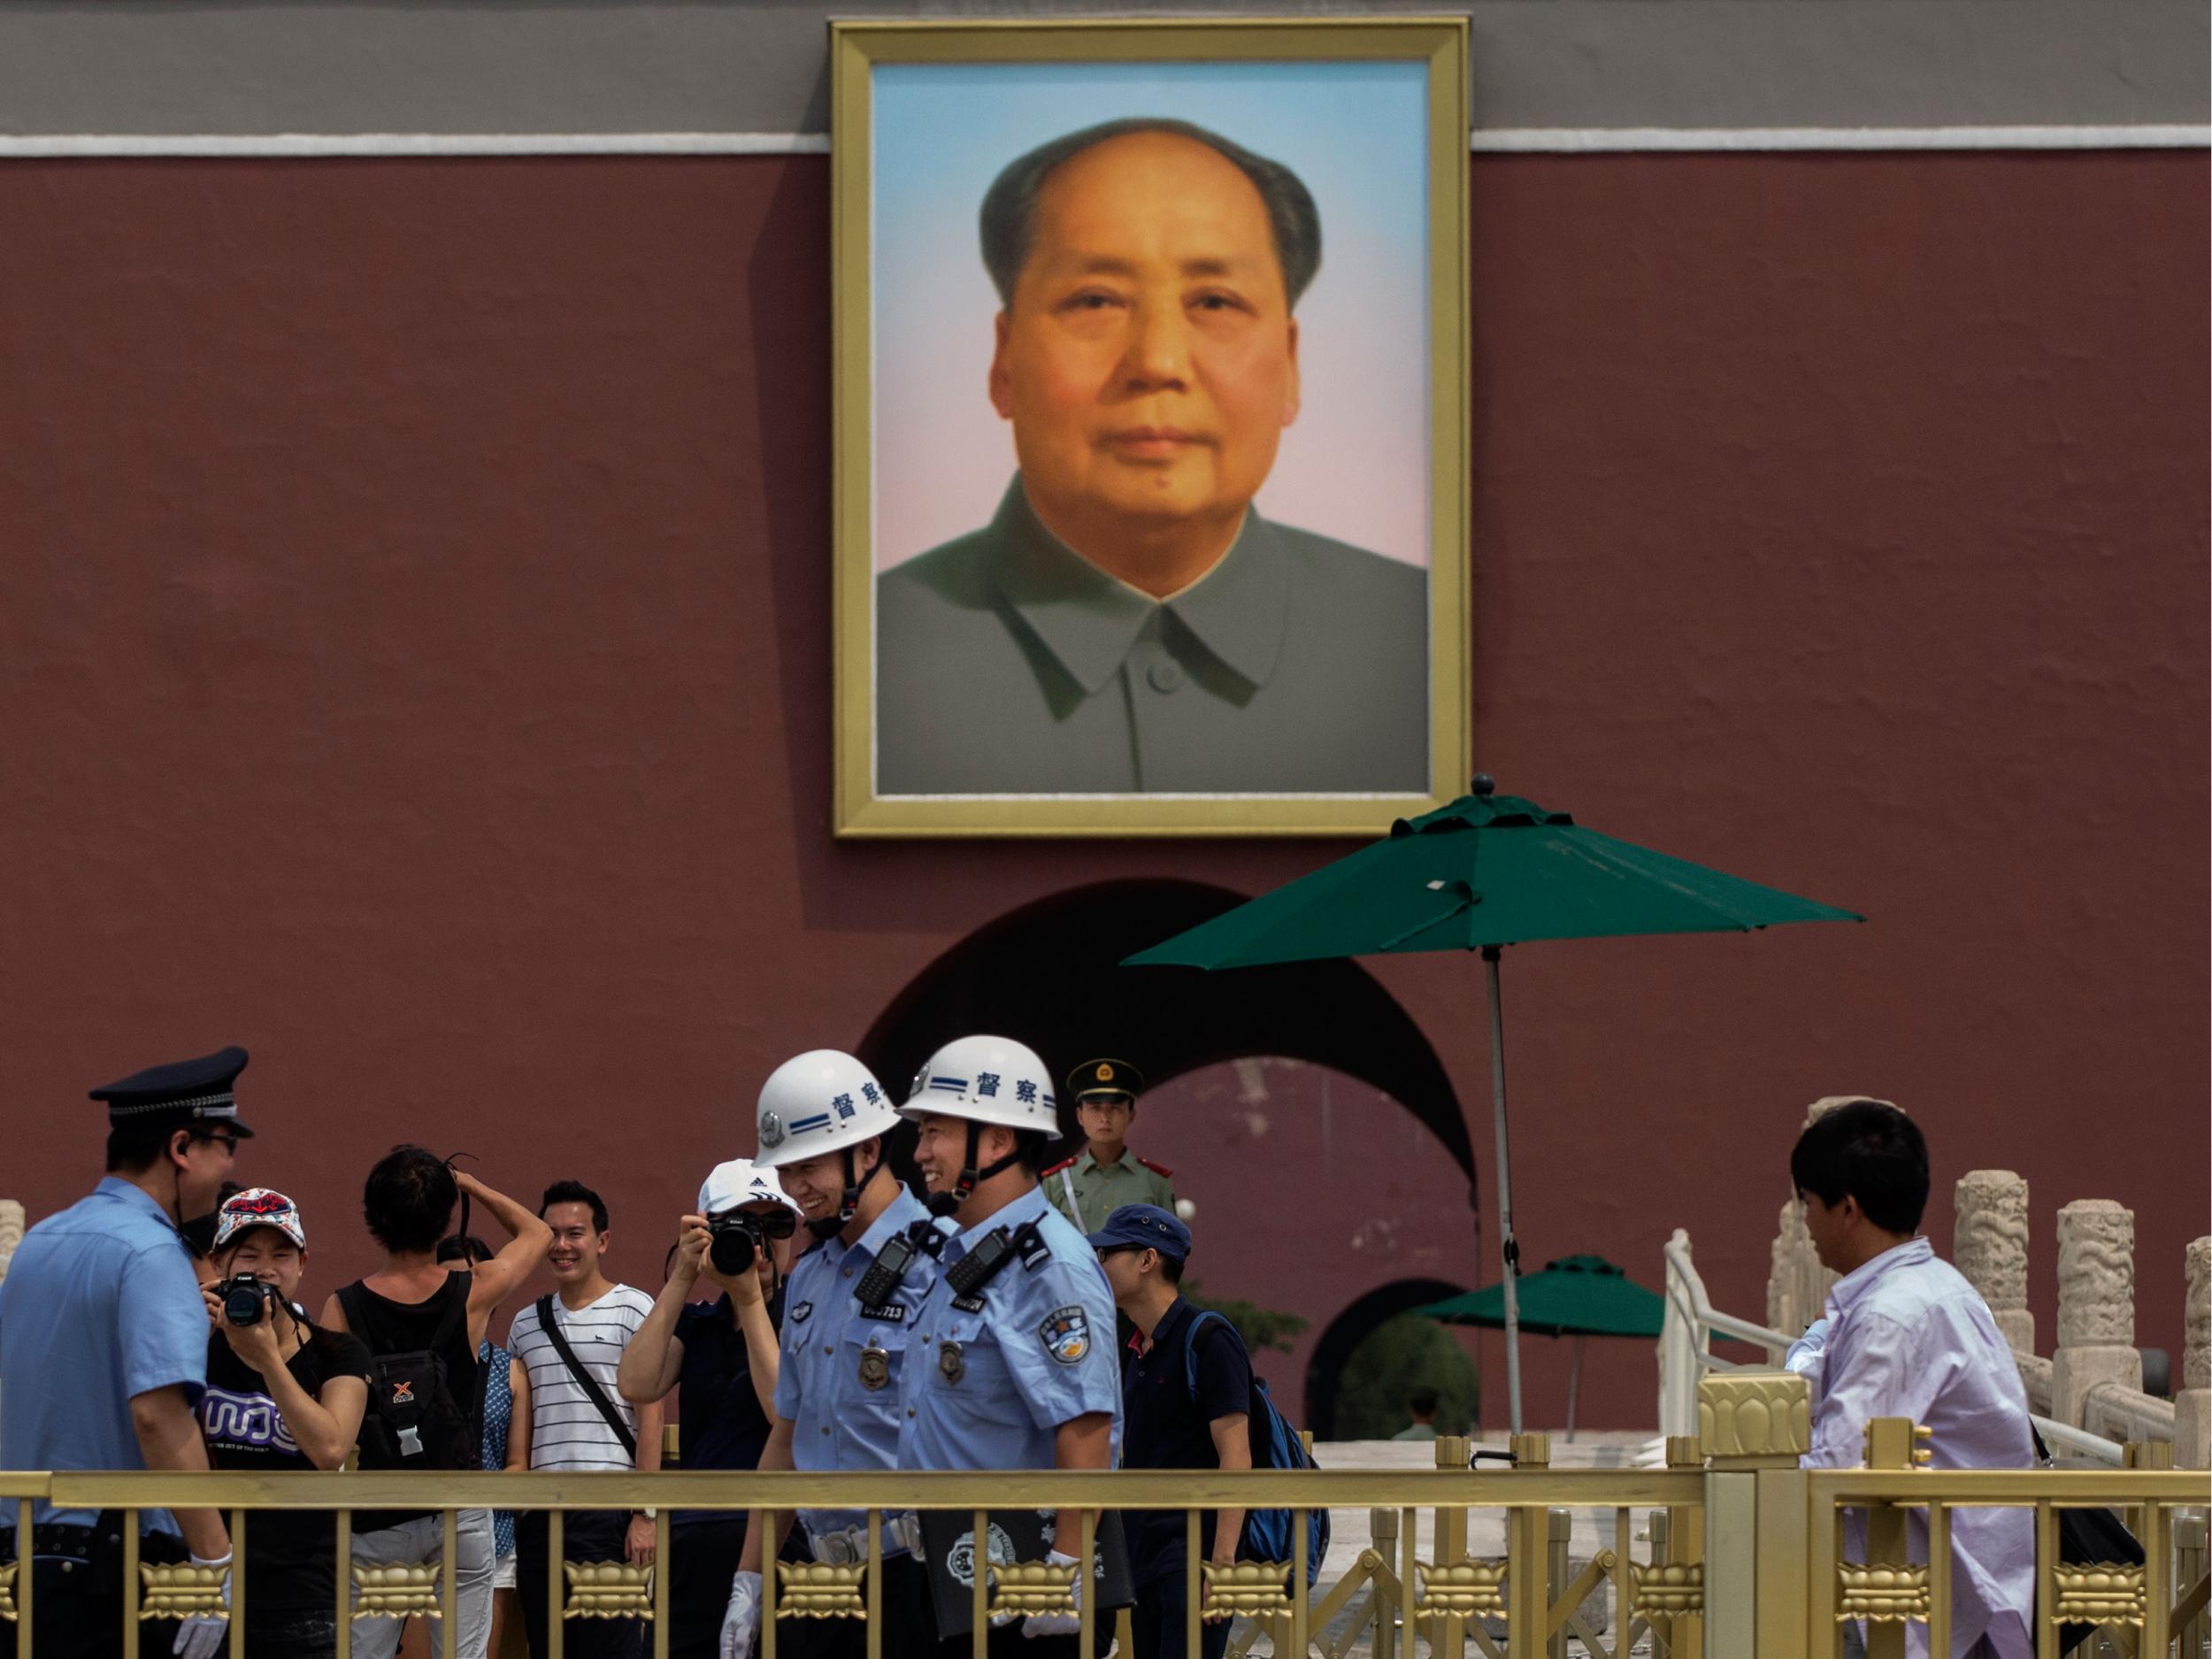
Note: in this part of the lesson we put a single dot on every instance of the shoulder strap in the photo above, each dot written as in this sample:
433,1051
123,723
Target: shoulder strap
584,1379
454,1320
355,1311
1203,1324
1066,1172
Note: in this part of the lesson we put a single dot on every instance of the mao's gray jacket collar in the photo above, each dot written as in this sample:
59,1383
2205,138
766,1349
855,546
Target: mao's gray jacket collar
1088,620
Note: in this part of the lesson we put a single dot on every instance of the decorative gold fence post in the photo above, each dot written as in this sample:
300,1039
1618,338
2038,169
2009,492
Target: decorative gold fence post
1447,1634
1889,1592
1684,1558
1527,1549
1754,1426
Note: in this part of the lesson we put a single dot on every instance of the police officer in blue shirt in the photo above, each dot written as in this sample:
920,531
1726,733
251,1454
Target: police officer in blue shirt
104,1352
1010,1362
848,1307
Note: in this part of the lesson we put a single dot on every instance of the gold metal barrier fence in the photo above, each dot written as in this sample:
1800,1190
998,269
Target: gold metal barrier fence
1742,1556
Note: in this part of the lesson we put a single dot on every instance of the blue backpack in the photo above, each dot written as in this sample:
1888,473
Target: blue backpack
1275,1445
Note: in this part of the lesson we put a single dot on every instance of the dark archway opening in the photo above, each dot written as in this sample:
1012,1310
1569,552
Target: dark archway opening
1050,975
1325,1367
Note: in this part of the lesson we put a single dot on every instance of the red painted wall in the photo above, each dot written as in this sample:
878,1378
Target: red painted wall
414,663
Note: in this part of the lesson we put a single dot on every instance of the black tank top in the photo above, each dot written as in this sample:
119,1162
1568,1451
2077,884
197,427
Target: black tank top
400,1327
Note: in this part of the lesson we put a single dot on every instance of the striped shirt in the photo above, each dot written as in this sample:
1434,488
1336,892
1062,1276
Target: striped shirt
567,1431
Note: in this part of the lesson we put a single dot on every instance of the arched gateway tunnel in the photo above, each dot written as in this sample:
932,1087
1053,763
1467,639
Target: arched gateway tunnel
1304,1113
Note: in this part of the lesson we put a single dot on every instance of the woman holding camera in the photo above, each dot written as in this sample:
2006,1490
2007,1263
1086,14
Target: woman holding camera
720,1356
282,1394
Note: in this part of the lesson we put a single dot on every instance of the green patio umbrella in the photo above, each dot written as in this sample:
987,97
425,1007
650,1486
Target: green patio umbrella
1576,1296
1486,872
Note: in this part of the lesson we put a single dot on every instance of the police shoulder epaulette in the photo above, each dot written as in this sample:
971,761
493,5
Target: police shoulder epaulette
1065,1163
1029,1241
1157,1168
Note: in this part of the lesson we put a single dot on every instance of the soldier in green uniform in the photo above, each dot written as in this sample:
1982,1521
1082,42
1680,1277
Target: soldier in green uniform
1106,1174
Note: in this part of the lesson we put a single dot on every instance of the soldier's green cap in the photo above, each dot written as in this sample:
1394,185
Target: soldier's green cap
1105,1077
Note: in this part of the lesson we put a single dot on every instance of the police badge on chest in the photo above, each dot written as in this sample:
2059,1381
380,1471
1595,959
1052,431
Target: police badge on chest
875,1368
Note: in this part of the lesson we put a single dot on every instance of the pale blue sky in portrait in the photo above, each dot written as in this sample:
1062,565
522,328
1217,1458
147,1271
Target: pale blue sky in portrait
1355,465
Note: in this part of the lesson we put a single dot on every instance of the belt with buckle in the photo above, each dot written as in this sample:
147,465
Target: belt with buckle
849,1545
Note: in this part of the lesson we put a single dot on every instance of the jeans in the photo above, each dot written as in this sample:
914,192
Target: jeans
290,1634
1159,1623
77,1613
704,1556
585,1535
422,1543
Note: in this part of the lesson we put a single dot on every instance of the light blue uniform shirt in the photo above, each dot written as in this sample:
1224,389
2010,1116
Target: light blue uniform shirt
1039,1353
837,1421
99,1304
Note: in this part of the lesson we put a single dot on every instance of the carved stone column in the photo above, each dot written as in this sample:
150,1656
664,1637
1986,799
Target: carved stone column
2096,1304
1797,1284
2193,1406
1989,1245
11,1231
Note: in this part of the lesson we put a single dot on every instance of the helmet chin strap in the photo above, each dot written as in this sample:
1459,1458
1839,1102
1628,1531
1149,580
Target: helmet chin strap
948,1203
848,1206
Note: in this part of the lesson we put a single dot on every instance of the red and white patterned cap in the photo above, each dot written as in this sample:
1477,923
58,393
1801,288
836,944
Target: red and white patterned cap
258,1207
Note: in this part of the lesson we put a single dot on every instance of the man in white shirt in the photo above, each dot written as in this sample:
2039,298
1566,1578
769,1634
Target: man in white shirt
580,1421
1904,1335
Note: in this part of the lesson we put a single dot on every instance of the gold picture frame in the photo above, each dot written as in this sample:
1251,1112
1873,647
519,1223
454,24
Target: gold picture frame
858,50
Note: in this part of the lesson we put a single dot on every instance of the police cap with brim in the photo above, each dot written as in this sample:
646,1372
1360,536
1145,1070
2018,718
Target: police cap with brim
1104,1077
183,1094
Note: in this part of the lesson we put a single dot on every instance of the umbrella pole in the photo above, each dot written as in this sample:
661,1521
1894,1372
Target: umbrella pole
1574,1386
1509,1247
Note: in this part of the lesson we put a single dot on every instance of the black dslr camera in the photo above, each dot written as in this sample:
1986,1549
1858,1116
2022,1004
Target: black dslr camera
742,1235
245,1297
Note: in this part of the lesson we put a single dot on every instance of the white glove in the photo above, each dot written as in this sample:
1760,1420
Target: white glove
1067,1623
200,1636
741,1621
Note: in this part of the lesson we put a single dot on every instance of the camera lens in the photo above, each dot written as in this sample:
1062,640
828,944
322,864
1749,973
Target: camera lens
733,1249
243,1301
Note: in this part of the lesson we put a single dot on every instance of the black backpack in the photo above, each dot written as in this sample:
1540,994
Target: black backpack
415,1417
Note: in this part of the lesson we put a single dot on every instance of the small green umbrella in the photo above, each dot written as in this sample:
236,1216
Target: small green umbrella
1576,1296
1486,872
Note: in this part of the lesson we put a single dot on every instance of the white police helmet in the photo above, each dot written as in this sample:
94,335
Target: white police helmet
820,1102
740,1182
985,1081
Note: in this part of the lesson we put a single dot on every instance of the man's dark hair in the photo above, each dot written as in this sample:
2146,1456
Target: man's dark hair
1171,1270
1035,1148
137,1147
1421,1402
464,1247
575,1192
1872,1152
408,1199
1010,206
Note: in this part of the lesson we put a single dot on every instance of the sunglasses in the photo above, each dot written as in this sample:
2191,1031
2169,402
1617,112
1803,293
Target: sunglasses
226,1138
